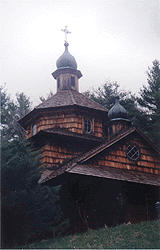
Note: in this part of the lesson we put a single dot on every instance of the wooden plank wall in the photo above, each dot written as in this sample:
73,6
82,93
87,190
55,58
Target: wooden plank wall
98,127
71,121
56,155
148,163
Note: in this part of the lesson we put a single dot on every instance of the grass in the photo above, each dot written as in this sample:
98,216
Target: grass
145,235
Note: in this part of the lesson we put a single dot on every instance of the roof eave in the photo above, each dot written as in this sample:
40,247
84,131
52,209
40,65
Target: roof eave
59,71
24,120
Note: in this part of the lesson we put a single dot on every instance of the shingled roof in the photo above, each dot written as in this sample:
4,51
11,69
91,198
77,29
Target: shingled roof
64,98
77,165
68,98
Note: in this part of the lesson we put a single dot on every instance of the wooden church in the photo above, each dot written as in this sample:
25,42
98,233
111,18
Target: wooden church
108,169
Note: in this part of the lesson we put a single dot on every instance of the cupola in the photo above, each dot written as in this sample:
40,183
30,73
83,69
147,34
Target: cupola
117,111
118,120
66,60
67,74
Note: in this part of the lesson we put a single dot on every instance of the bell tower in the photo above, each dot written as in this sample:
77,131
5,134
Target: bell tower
67,74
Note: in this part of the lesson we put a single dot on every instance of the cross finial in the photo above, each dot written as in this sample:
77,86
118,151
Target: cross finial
66,32
116,87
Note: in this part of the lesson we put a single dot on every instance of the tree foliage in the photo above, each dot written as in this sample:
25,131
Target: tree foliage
29,210
143,111
149,102
11,112
43,99
106,94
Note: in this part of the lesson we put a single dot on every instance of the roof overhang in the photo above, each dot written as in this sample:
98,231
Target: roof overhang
59,71
116,174
36,111
104,172
62,135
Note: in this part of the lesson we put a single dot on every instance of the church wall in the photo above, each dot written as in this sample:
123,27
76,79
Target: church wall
69,120
55,155
116,157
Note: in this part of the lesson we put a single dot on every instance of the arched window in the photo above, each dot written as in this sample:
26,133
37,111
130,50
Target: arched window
34,129
87,125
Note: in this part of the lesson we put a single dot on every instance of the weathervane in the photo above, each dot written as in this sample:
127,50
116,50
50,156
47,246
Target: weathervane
66,32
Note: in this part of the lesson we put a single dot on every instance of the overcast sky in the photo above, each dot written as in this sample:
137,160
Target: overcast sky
112,40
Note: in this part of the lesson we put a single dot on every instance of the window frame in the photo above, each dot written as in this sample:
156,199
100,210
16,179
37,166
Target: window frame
87,130
134,147
34,129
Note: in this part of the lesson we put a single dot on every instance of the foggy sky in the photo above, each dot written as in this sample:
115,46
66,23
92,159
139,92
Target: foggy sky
112,40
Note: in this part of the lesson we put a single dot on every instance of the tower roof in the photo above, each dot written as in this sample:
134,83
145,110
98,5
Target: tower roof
63,99
66,60
117,111
67,98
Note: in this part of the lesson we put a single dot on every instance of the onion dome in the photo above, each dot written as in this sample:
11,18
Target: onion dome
66,60
117,111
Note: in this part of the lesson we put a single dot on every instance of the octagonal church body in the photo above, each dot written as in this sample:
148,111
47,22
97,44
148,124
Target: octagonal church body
78,138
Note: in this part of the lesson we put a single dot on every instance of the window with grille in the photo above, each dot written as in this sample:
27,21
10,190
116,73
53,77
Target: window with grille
87,125
133,152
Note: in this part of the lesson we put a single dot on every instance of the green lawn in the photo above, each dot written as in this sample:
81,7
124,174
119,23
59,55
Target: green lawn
144,235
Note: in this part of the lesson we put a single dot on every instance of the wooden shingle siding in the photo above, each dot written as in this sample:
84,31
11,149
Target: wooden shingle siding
57,155
71,121
28,132
116,158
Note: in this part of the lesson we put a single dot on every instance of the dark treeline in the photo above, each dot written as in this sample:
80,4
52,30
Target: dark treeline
30,211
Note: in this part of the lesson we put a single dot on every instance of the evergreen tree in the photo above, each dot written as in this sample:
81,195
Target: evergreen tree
11,112
43,99
149,102
29,210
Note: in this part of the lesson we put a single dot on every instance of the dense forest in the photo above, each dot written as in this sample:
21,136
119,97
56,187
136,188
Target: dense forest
31,211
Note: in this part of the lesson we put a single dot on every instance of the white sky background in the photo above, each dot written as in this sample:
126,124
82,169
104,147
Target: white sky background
111,39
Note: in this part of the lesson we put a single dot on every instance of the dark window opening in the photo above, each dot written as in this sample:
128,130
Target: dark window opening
87,125
110,130
58,83
72,81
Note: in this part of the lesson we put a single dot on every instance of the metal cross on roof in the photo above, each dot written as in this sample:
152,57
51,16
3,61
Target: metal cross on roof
116,87
66,32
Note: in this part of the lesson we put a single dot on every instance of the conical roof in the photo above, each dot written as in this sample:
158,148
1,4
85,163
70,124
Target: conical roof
66,60
117,111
